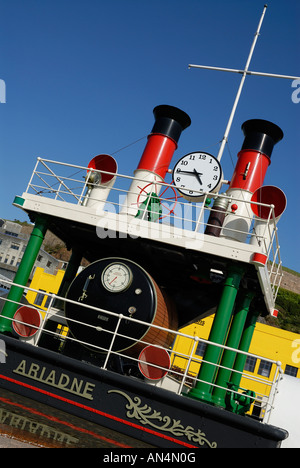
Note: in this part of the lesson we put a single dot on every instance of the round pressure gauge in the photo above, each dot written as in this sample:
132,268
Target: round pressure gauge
116,277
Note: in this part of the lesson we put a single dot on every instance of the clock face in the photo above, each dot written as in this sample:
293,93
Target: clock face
116,277
197,173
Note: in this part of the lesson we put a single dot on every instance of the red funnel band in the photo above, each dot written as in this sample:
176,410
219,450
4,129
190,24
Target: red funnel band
157,154
269,195
259,259
104,162
162,141
250,170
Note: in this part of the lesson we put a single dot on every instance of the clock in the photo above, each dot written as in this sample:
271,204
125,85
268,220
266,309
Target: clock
197,173
116,277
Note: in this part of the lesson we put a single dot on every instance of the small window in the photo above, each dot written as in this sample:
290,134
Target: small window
265,368
9,233
291,370
39,298
250,364
201,348
47,301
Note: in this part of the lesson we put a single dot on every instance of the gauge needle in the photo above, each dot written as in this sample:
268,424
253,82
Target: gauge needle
113,279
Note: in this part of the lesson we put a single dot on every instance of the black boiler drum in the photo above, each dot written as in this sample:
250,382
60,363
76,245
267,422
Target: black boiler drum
120,286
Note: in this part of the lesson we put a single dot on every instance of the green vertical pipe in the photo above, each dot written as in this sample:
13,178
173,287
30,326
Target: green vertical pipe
233,341
244,346
23,273
203,387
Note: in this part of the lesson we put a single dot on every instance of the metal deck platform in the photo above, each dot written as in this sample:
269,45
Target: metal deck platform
178,230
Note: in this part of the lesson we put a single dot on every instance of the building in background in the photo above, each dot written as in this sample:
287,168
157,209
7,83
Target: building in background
268,342
12,246
46,284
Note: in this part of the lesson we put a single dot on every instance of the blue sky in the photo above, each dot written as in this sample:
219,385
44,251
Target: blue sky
82,78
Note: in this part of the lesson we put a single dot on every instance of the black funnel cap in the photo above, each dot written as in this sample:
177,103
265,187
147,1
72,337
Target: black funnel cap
261,135
170,121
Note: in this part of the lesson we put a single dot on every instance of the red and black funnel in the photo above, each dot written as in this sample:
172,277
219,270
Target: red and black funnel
170,121
162,141
261,135
254,157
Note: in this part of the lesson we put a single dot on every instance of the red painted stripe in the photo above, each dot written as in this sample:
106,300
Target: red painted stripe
101,413
60,421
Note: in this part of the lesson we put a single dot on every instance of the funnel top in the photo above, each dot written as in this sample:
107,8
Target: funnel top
174,113
261,135
170,121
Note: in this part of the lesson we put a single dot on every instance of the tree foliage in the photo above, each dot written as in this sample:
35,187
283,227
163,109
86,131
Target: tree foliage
288,305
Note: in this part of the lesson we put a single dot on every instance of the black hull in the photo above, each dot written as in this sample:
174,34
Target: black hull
146,413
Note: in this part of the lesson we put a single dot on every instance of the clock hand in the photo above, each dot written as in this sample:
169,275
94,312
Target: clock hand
197,174
180,171
194,172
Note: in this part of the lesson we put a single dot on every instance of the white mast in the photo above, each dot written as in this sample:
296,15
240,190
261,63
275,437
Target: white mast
244,72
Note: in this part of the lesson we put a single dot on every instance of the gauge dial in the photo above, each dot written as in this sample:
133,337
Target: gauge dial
116,277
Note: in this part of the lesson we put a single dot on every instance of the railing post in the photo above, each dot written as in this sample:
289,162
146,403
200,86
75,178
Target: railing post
33,174
112,341
273,391
196,340
53,297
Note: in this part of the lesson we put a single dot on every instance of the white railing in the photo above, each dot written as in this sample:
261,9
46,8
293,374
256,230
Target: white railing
184,376
69,183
